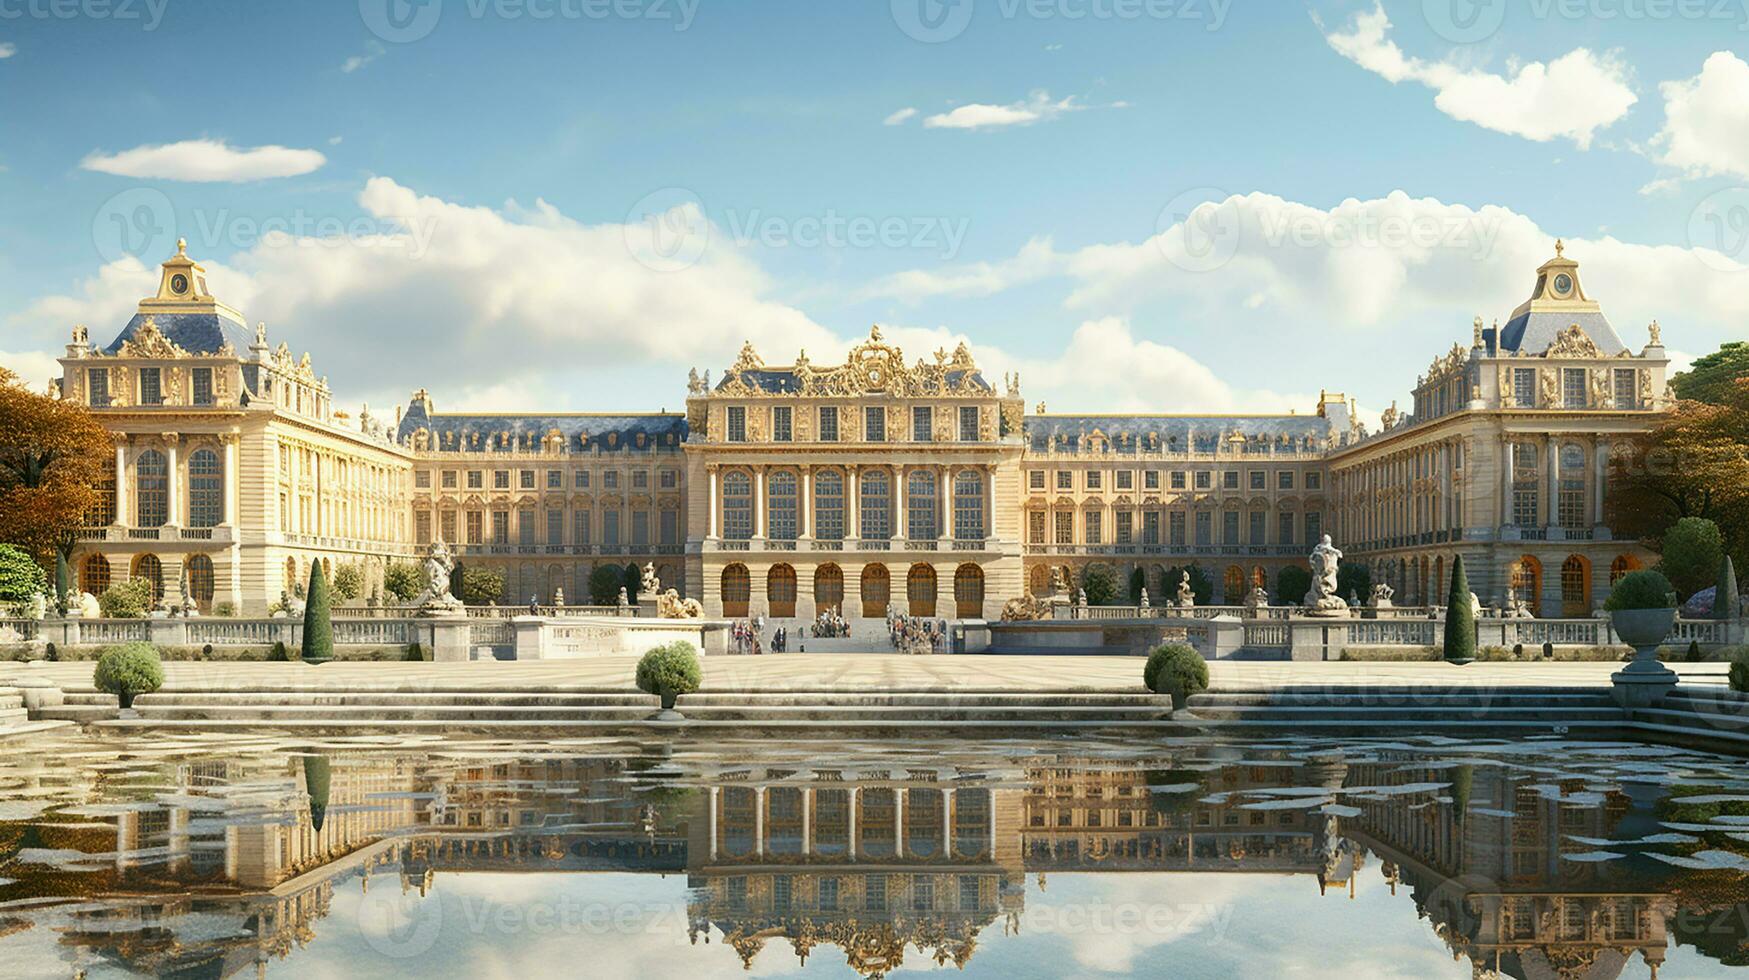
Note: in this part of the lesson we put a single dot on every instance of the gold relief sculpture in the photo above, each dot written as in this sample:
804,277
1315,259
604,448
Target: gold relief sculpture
1600,393
148,341
986,425
871,367
1645,387
1448,364
1548,388
1504,384
1011,417
755,426
173,386
1572,343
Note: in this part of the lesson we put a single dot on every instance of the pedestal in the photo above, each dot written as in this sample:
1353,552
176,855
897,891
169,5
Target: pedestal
451,640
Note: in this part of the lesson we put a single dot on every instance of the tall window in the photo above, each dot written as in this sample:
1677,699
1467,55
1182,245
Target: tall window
1524,387
476,528
1205,529
1627,392
781,489
874,423
737,506
1314,526
1570,506
1573,387
1285,528
922,424
968,423
1035,527
203,389
737,427
922,523
1177,529
782,423
1124,529
500,527
1150,527
1065,530
829,423
200,579
1524,485
152,477
968,506
1094,523
555,527
1257,521
525,527
1230,527
103,513
206,489
610,528
876,505
580,527
670,529
151,386
829,504
97,382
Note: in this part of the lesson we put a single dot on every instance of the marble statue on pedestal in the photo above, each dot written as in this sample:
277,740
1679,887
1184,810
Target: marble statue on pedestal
1186,594
1322,599
649,585
1382,594
437,600
1144,600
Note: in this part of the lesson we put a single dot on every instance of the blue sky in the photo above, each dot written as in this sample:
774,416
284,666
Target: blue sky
471,197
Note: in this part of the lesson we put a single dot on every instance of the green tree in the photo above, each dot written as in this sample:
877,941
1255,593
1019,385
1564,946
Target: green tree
1099,581
1460,618
63,581
634,580
1291,585
1711,378
318,776
128,671
1353,579
20,576
1138,582
403,580
126,600
604,584
1693,549
480,586
1727,602
348,581
318,621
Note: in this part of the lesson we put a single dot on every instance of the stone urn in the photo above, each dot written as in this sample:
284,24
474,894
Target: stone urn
1644,681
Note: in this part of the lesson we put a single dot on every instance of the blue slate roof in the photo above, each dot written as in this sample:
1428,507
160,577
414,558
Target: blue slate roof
782,381
581,431
1532,333
197,333
1178,433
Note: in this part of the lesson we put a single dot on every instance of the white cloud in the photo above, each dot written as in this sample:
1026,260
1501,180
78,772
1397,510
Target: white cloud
35,368
1571,97
205,160
899,117
372,52
1037,107
1706,120
7,50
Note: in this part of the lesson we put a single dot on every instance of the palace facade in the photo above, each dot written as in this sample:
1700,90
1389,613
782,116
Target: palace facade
879,483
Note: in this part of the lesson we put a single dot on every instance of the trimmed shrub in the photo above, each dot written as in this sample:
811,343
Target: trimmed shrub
1739,675
225,610
1176,669
1460,619
63,581
318,621
1356,579
126,600
1548,650
1694,654
1291,585
317,777
634,580
480,586
1727,604
669,671
604,585
403,581
278,654
20,576
1644,589
415,653
348,582
128,671
1692,550
1138,582
1100,583
51,653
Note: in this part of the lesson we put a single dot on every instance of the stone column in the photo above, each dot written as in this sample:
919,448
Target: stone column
807,820
122,515
230,516
712,502
898,821
1600,480
759,503
901,521
712,822
805,505
173,486
853,503
1550,513
759,821
1508,460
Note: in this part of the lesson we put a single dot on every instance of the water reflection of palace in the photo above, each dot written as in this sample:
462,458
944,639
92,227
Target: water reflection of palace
239,860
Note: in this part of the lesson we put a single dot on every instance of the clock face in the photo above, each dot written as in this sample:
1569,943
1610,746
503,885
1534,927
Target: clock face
1563,284
179,283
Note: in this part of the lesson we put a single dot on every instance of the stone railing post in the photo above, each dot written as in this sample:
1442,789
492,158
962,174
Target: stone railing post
1226,636
167,632
529,636
451,640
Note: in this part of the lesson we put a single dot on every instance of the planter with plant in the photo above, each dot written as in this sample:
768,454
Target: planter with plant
1178,670
128,671
1642,608
669,671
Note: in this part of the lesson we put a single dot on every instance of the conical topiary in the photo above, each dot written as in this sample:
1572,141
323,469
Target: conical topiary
1460,619
1726,604
64,581
317,774
318,626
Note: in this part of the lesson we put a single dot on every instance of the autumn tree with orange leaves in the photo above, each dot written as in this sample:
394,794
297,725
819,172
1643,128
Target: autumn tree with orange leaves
1693,463
53,453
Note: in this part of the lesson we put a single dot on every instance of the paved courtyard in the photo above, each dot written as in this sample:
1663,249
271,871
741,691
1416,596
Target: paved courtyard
850,672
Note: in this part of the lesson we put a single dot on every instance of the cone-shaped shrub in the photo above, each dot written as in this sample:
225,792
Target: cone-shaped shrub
1725,601
318,625
64,581
1460,619
317,775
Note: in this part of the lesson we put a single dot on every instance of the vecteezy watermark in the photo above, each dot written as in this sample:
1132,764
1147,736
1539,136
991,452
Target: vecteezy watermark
149,13
668,230
142,223
405,21
1197,231
1469,21
404,926
935,21
1464,21
1718,229
1368,226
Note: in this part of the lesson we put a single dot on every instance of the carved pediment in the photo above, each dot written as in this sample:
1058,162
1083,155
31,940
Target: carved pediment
1572,342
148,341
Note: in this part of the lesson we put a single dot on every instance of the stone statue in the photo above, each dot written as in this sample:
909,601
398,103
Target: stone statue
559,596
1657,334
38,608
1257,599
1059,582
85,607
1186,594
1382,594
669,605
437,599
649,585
1145,604
1322,599
1515,607
623,600
1081,597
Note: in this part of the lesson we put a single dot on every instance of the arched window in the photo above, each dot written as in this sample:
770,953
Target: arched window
876,506
94,574
876,591
829,506
200,579
920,590
1526,478
1527,582
781,492
1570,505
923,521
152,478
968,591
737,506
1575,587
829,589
206,489
1039,579
780,591
737,591
1622,565
149,568
968,506
1234,584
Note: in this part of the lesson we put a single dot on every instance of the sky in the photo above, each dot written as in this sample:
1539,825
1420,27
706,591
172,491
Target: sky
1137,205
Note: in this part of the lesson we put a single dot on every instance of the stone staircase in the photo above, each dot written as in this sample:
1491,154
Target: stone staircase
15,720
1363,709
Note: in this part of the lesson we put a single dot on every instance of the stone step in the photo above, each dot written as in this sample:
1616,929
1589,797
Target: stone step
24,729
825,729
1288,716
406,699
1401,699
13,716
879,714
1419,723
372,714
921,700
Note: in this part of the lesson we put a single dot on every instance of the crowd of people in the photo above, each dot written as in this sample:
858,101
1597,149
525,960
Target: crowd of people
908,634
915,634
829,624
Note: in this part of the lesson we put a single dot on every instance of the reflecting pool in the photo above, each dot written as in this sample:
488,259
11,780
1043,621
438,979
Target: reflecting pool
409,856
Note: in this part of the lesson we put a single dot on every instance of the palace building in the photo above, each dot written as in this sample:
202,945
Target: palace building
881,483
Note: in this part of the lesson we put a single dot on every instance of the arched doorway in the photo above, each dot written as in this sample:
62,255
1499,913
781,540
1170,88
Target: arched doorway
920,590
1234,585
1575,587
968,591
1622,565
149,568
780,591
876,591
200,580
1527,582
737,591
1038,579
94,574
829,589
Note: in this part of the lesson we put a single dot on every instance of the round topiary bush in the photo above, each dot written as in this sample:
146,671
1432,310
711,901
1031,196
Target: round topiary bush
1643,589
128,671
1178,670
669,671
1739,676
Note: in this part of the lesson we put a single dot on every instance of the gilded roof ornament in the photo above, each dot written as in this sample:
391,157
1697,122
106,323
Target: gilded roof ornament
1572,343
148,341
